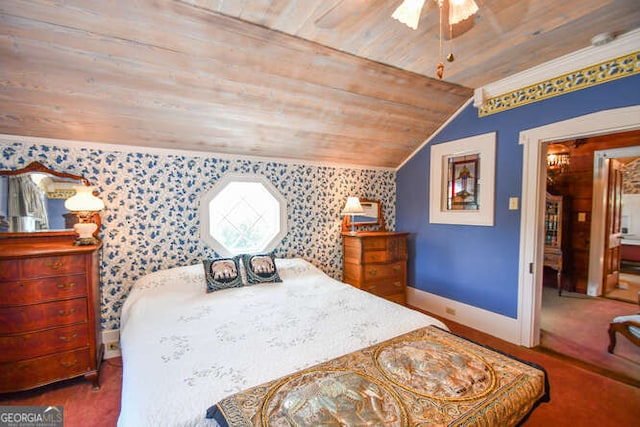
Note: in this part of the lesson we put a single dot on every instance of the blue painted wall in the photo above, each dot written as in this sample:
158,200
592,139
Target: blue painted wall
478,265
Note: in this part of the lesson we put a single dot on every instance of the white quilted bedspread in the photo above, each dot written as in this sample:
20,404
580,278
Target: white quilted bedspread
184,349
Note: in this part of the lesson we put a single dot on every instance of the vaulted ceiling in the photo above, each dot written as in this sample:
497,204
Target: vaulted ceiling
316,80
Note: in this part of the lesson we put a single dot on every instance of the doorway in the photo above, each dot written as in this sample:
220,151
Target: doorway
575,324
533,189
598,209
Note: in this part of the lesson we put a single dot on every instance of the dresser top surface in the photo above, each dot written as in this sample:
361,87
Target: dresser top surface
374,234
23,248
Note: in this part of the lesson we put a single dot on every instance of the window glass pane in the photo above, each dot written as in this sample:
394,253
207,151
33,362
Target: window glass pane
244,217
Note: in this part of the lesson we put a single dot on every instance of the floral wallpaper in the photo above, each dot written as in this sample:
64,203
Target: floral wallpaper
631,180
151,219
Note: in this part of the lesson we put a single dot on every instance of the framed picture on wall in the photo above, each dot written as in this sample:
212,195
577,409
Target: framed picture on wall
462,181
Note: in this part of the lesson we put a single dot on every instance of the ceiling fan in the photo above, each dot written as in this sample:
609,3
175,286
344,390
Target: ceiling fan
458,16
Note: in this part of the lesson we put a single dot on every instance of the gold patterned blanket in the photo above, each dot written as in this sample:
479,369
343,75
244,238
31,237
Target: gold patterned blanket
428,377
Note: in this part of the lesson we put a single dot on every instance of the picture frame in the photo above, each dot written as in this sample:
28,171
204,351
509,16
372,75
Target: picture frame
462,181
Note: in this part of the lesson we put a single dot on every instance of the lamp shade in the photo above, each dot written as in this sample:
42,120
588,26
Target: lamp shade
352,206
84,200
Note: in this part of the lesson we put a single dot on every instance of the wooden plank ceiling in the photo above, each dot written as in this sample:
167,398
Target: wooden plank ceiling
315,80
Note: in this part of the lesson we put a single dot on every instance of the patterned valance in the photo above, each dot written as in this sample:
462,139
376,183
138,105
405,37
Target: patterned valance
603,72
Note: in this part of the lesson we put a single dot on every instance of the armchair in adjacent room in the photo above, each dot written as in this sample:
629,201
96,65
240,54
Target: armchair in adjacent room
628,326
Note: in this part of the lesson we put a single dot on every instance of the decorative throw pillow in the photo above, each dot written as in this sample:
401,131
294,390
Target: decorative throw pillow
261,268
222,273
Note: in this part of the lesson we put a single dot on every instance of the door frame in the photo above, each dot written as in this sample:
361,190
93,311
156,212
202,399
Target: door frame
598,210
534,142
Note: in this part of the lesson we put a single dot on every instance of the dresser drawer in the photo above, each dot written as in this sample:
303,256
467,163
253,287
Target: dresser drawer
31,318
52,266
383,271
42,290
15,376
377,256
8,269
374,244
30,345
385,288
49,311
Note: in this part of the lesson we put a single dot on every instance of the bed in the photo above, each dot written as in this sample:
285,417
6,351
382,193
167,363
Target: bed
185,350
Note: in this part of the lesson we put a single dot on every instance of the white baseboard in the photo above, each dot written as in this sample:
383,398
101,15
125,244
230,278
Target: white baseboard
111,341
488,322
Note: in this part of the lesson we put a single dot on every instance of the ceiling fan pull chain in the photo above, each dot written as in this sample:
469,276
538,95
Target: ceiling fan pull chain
450,57
440,68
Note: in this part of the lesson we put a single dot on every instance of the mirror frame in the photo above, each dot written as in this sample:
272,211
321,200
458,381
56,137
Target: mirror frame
379,222
40,168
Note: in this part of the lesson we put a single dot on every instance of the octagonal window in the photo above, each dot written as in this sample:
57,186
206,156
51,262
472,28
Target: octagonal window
243,214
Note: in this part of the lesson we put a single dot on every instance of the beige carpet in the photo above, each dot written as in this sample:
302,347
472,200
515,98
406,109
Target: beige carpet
576,325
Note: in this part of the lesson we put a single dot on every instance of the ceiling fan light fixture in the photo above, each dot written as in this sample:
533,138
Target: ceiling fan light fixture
408,13
459,10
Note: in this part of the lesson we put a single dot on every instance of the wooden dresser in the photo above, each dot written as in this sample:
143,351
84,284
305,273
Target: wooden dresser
49,312
376,262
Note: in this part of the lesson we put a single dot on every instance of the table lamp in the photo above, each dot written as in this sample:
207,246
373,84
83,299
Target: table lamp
84,205
352,208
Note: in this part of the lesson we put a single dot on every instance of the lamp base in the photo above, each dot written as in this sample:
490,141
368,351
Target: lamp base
353,227
85,232
86,241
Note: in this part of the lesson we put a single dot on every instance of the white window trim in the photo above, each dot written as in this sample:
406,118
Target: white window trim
485,146
207,197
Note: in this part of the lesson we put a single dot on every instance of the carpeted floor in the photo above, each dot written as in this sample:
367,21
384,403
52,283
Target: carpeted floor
628,288
82,406
576,325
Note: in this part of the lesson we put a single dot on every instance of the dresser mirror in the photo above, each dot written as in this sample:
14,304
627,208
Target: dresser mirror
371,219
32,200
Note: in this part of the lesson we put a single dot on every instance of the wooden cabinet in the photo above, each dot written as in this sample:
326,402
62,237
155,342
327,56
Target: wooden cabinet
376,262
49,312
553,236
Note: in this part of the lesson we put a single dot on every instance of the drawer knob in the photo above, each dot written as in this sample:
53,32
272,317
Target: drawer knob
397,268
55,265
397,284
66,285
373,272
69,364
66,313
68,338
371,288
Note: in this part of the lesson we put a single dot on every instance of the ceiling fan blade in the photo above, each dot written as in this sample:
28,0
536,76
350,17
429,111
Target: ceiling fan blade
457,29
340,11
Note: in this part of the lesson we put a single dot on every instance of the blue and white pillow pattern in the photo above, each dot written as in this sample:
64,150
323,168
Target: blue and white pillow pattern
241,270
261,268
222,273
